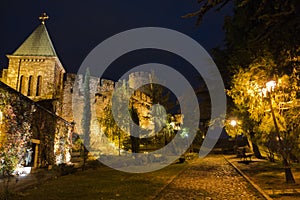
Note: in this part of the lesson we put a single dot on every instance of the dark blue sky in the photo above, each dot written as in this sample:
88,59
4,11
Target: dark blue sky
76,27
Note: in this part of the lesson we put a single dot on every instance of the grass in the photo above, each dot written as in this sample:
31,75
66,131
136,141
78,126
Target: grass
270,177
103,183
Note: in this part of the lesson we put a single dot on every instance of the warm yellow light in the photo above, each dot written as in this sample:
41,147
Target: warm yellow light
172,124
233,123
22,171
270,85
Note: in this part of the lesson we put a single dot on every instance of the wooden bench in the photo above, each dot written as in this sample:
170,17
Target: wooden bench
247,155
243,154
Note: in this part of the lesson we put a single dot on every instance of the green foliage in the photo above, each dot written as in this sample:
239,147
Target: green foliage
249,93
15,131
247,85
116,133
263,44
9,162
112,131
119,133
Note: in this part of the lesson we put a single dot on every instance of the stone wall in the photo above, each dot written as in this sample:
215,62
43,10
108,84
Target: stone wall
101,91
48,68
49,136
101,94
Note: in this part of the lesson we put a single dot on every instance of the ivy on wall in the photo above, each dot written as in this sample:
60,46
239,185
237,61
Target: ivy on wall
15,130
21,120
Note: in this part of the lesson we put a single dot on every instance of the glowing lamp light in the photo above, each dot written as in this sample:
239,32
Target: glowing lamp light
270,85
233,123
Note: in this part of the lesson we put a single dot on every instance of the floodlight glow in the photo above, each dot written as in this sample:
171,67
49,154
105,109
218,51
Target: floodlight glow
23,171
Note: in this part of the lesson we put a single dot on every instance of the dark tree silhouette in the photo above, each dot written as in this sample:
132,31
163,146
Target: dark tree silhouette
135,141
86,118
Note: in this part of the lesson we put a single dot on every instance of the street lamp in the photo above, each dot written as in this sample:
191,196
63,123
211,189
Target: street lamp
269,88
233,123
270,85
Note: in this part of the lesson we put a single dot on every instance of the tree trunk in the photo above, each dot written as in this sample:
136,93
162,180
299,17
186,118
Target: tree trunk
84,157
256,151
135,141
289,178
135,144
254,146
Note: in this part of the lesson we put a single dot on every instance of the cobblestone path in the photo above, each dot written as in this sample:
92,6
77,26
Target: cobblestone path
209,178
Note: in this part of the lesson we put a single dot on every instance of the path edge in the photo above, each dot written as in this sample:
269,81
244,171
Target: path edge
261,191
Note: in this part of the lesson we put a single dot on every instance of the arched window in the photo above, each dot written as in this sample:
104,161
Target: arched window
22,83
39,86
30,81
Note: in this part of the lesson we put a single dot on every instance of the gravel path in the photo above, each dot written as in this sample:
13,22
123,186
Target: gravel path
209,178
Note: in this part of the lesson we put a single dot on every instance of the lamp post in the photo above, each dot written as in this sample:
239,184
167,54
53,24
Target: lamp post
269,88
233,123
268,93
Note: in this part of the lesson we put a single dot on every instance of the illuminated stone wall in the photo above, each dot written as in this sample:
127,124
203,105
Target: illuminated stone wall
29,123
101,94
37,77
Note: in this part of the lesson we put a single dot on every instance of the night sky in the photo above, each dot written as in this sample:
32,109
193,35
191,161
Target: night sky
76,27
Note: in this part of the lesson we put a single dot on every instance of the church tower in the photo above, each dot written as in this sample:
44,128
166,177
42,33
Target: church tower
34,68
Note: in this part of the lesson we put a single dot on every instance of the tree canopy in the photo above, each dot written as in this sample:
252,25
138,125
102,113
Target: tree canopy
262,45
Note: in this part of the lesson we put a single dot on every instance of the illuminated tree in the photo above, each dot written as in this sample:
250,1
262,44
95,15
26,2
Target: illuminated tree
255,52
274,110
111,128
245,126
108,123
162,104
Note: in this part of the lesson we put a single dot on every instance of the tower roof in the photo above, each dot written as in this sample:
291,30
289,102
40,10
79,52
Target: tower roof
37,44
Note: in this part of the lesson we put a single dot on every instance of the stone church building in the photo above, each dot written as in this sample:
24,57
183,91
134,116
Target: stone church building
34,79
35,70
36,98
33,88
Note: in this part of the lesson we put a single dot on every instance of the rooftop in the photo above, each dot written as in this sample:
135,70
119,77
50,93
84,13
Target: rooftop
38,43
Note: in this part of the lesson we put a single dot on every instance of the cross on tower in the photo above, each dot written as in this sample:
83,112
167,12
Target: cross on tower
43,18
